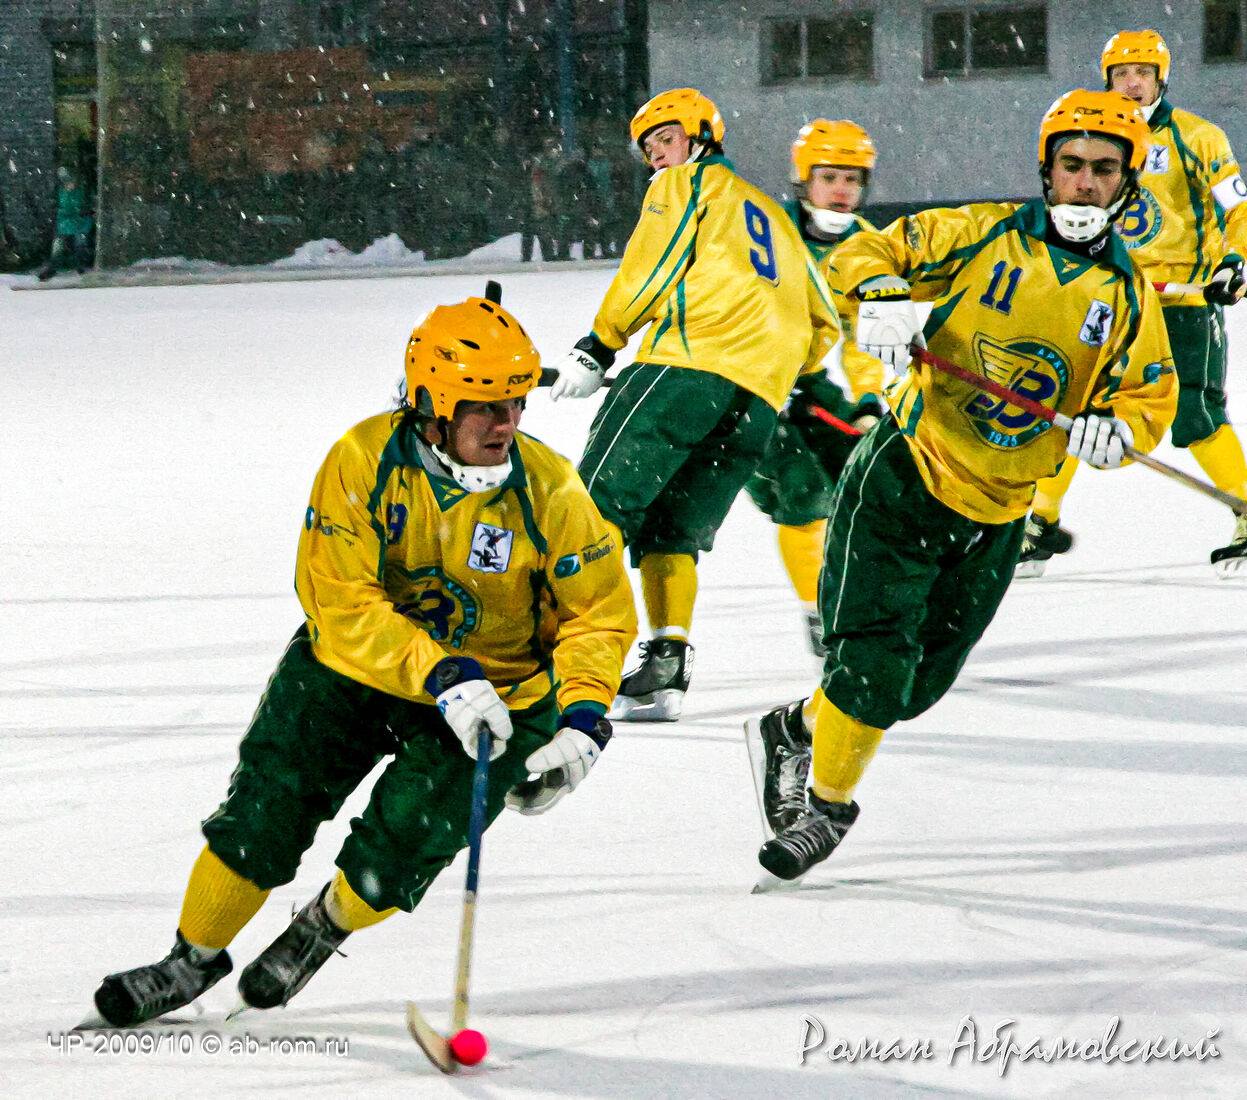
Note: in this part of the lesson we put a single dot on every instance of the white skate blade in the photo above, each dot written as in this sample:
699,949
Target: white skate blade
1025,569
772,884
661,706
94,1022
757,768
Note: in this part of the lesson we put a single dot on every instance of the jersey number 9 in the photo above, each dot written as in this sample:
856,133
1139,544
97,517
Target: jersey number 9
758,226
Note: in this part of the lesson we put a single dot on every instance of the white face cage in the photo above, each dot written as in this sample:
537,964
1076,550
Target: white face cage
1078,223
475,479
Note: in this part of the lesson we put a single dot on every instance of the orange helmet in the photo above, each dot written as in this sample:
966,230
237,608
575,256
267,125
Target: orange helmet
842,143
695,112
1109,114
1136,48
471,351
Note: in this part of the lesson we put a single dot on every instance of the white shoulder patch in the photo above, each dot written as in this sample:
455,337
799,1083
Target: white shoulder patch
1230,192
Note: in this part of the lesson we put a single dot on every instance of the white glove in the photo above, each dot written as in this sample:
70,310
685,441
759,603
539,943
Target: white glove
583,369
469,702
560,766
1099,441
887,320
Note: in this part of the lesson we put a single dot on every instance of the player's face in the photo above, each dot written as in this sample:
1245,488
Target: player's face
832,188
1087,171
481,431
667,146
1138,82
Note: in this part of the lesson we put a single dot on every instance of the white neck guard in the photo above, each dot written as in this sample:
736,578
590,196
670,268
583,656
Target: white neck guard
475,479
1150,109
831,222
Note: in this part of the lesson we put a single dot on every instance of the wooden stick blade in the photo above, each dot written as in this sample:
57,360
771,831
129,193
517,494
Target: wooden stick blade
435,1046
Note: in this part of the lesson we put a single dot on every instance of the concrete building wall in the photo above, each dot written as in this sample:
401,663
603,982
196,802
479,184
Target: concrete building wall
957,139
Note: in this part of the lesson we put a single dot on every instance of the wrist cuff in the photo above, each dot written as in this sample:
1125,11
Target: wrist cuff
603,355
586,718
450,671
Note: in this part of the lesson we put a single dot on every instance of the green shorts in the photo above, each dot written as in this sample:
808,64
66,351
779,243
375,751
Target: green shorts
1197,336
314,738
908,585
668,451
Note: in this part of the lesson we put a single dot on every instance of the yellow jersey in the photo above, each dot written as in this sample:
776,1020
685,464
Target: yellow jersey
399,566
1067,331
1192,205
725,282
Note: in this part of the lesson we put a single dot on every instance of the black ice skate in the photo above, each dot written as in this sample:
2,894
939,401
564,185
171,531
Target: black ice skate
1042,541
779,750
810,840
136,996
1231,561
654,692
286,965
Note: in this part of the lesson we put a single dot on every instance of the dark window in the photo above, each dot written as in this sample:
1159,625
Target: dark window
785,51
948,42
986,39
841,47
820,49
1224,23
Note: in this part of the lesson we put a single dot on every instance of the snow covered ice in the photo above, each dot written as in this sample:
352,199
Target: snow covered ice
1059,842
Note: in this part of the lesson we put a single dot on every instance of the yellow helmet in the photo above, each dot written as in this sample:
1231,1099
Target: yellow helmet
841,143
695,112
1136,48
1110,114
471,351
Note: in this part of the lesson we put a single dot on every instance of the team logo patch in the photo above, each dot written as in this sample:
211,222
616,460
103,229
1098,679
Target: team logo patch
1140,221
491,549
567,566
434,601
1029,366
1157,159
1097,323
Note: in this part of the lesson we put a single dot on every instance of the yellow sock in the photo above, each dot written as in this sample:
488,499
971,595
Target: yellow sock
802,551
218,903
669,589
1221,456
1050,491
348,910
843,747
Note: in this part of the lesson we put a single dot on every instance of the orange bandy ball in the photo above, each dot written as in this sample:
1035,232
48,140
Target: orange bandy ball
469,1047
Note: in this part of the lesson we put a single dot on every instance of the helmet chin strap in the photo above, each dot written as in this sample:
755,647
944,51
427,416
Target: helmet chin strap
475,479
831,222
